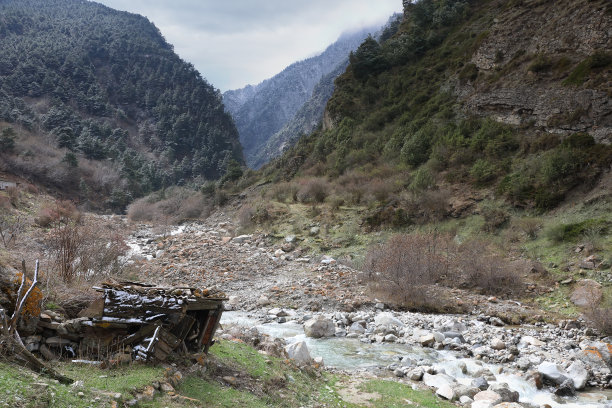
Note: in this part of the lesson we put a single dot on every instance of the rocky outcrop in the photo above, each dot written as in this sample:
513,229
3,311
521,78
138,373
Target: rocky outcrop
527,54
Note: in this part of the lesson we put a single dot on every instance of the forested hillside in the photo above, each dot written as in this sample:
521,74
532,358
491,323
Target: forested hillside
470,96
262,110
94,99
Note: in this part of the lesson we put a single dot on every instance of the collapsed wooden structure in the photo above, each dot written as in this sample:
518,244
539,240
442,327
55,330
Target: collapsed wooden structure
154,320
135,321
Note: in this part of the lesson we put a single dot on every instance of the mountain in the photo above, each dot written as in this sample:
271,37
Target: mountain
507,98
262,110
96,101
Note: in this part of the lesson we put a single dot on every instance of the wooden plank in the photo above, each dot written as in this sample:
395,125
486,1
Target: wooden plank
215,319
182,329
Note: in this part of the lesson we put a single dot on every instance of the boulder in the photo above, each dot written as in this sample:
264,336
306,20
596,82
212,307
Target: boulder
497,344
263,301
454,335
480,383
241,239
508,405
482,404
416,374
446,392
552,372
586,293
298,352
387,319
465,391
530,341
319,326
438,380
490,396
356,328
505,392
566,389
427,340
578,374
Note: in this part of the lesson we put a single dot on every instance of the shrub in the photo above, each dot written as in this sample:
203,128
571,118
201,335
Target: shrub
402,267
483,171
380,190
495,215
529,226
601,318
541,63
313,191
422,180
488,271
283,192
574,231
245,216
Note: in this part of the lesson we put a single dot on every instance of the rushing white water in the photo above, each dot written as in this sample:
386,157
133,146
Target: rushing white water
351,354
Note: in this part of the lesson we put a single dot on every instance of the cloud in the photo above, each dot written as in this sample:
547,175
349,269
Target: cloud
238,42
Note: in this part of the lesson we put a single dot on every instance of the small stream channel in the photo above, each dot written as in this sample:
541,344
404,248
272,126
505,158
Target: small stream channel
351,354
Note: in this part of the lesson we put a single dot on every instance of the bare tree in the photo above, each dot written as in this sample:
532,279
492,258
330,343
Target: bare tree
10,340
10,228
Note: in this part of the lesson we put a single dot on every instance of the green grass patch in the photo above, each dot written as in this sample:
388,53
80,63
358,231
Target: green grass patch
573,232
18,389
215,395
120,379
398,395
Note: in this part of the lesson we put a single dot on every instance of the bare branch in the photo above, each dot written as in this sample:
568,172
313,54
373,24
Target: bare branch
21,301
5,327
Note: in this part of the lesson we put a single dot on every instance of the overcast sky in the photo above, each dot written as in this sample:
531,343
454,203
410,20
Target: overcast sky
238,42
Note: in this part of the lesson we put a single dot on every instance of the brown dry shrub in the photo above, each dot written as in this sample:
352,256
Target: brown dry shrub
380,190
529,226
313,191
403,269
404,266
174,205
283,192
434,203
479,267
14,195
245,216
601,319
52,212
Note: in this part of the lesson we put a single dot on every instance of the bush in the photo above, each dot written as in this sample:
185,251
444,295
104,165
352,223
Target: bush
402,267
541,63
245,216
495,215
313,191
601,318
173,205
488,271
574,231
283,192
483,171
529,226
422,180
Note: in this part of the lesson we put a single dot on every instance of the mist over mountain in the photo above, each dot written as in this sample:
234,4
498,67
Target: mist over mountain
260,111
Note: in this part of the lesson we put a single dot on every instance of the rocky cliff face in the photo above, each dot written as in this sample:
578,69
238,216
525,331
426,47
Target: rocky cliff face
261,111
543,63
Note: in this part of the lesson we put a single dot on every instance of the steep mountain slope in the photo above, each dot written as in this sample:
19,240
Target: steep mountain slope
306,119
512,98
108,91
262,110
